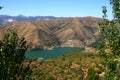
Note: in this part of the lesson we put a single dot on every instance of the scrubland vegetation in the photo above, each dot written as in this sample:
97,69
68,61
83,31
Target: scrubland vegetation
74,66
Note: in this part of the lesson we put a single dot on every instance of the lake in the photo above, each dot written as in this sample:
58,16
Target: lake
46,54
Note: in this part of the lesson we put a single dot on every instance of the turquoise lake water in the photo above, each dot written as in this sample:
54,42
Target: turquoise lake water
46,54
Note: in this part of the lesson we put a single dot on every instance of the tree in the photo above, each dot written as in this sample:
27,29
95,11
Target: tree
12,55
110,45
1,7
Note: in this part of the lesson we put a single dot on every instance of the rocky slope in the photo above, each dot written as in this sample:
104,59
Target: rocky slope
69,31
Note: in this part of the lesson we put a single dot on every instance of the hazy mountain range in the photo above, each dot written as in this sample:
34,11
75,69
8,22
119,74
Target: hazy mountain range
52,31
5,19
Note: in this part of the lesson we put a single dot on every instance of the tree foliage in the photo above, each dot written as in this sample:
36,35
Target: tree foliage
12,55
110,44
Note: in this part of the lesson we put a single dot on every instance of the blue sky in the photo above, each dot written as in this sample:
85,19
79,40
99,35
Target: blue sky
58,8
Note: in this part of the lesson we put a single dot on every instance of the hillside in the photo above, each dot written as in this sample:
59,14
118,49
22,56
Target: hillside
34,33
75,66
75,28
70,31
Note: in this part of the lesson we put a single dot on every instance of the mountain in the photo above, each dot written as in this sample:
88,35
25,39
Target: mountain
73,32
5,19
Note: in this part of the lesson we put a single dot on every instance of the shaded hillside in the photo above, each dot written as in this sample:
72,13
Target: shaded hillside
48,33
